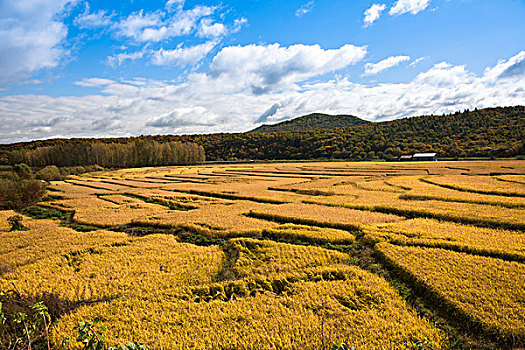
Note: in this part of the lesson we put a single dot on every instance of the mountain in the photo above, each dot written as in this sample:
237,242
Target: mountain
312,122
490,132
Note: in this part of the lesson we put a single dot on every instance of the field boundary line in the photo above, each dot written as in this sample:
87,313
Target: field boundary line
417,197
352,228
448,309
461,249
472,190
411,213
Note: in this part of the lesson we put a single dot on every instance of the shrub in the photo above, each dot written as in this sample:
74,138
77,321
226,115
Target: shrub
18,192
92,168
16,223
80,169
65,171
23,170
49,173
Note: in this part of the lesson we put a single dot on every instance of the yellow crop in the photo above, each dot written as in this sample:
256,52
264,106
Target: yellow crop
4,215
253,256
153,264
487,291
439,234
292,232
266,257
481,184
45,238
323,216
363,311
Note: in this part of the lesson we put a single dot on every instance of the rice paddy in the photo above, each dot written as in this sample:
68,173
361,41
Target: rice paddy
281,256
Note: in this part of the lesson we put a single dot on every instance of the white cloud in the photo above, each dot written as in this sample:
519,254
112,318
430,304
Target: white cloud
514,68
93,82
203,103
445,75
157,26
408,6
416,61
208,29
182,56
88,20
238,24
174,4
31,36
374,68
303,10
373,13
264,68
184,117
138,22
118,59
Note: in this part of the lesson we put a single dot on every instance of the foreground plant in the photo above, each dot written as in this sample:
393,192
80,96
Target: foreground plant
27,329
92,338
16,223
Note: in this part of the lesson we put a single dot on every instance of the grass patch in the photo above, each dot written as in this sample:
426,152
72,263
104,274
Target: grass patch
302,221
453,200
472,190
412,213
165,203
235,197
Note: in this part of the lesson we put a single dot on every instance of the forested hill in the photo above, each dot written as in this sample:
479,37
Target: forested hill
313,121
491,132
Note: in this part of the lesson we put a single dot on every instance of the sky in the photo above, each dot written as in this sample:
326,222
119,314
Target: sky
94,68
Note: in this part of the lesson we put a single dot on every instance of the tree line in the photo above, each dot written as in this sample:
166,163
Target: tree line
135,152
492,132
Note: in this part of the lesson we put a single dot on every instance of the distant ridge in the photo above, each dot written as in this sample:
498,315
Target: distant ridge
313,121
490,132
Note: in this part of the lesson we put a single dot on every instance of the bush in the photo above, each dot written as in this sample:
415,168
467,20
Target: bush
92,168
65,171
18,192
16,223
23,170
49,173
80,169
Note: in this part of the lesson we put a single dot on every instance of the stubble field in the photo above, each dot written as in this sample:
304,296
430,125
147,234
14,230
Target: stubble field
281,256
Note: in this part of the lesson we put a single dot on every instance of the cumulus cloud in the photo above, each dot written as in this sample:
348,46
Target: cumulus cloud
263,118
445,75
182,56
157,26
303,10
174,4
373,13
208,29
204,103
513,68
32,36
416,61
238,23
408,6
195,116
89,20
118,59
374,68
93,82
264,68
150,29
137,23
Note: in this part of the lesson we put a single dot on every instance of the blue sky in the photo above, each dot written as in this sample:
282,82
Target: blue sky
93,68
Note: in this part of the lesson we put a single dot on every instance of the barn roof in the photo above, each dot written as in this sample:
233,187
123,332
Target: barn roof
425,155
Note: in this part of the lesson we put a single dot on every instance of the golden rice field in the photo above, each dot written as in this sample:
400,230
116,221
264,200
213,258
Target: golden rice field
417,255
